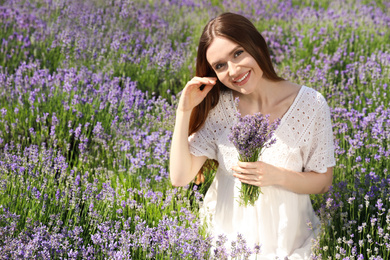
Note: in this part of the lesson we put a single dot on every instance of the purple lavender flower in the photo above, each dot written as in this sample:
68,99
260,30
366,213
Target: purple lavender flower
3,112
220,252
251,135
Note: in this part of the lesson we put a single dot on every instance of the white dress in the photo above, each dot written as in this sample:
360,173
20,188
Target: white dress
280,221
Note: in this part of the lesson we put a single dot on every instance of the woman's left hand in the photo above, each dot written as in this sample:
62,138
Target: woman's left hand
257,173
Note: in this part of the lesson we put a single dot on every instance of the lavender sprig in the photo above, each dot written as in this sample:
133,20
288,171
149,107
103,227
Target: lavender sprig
251,135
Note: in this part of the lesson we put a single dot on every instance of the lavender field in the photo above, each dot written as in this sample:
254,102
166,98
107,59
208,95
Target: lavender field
88,91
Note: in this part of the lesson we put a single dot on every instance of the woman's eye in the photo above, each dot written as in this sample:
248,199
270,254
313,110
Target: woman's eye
218,66
238,53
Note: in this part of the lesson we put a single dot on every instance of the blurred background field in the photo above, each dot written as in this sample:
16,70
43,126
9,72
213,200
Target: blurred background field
88,91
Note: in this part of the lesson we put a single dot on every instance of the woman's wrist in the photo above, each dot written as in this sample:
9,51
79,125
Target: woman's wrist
182,112
282,177
182,120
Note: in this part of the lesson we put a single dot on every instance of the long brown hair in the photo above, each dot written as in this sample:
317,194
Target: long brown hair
240,30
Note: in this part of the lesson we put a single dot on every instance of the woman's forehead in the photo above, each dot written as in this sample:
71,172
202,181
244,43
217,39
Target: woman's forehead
219,49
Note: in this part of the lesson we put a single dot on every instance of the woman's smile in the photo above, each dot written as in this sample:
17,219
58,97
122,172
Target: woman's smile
242,79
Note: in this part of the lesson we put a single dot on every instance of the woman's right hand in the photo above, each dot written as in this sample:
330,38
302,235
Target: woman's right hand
183,166
193,94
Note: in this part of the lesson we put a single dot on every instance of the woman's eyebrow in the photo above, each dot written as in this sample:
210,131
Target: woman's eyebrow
230,53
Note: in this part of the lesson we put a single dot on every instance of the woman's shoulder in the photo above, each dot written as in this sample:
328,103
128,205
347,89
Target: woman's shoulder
311,98
307,107
309,110
226,98
223,112
225,104
313,94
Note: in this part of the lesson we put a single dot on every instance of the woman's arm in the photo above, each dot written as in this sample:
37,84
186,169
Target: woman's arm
183,165
263,174
307,182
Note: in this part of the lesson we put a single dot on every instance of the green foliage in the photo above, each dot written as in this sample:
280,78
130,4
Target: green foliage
332,46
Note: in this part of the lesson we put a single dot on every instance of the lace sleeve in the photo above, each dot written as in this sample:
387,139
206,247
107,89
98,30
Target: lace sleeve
202,143
319,154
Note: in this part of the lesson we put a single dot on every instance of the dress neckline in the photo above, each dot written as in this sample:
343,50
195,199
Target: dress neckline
285,115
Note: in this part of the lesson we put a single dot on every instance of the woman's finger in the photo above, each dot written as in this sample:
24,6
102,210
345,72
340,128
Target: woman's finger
251,170
248,165
197,81
206,80
245,175
249,179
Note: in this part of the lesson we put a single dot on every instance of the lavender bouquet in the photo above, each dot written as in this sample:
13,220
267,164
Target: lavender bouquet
251,135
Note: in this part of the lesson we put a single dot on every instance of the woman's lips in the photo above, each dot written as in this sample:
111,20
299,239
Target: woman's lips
242,79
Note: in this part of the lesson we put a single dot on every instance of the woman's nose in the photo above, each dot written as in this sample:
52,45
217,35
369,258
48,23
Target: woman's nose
233,68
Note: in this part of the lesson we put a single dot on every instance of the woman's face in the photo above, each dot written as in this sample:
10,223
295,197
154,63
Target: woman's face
234,66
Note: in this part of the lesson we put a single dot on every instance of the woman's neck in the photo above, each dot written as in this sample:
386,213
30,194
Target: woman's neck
271,97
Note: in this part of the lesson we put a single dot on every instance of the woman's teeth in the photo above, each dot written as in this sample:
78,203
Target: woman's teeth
241,79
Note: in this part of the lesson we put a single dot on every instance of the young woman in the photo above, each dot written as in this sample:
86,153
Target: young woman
233,61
